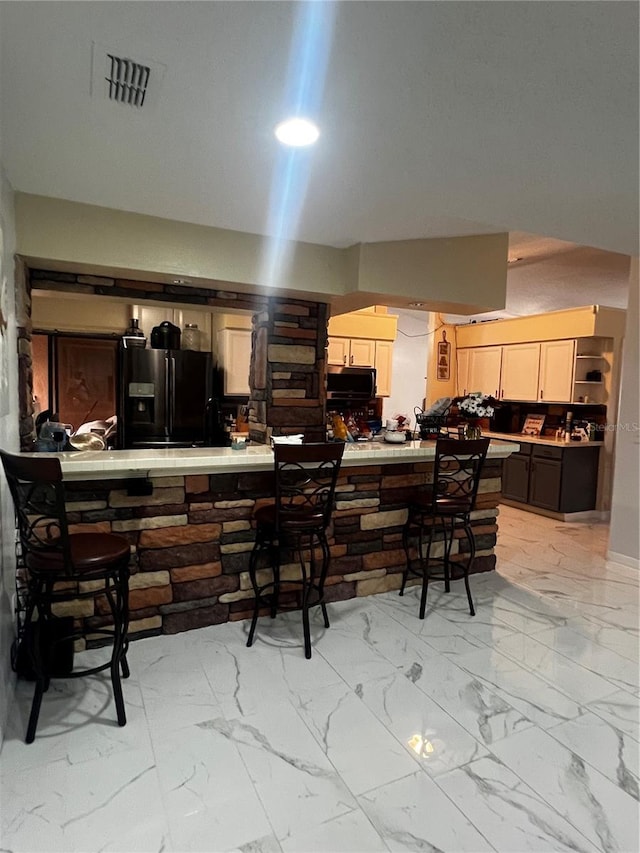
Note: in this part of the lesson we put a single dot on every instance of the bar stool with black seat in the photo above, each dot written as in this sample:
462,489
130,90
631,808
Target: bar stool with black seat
294,527
435,512
55,565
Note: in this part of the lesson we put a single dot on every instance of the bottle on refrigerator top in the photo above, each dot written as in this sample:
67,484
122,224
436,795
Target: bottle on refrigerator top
191,337
134,336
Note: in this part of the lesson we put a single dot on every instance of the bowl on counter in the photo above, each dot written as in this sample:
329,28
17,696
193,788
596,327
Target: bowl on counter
395,436
87,441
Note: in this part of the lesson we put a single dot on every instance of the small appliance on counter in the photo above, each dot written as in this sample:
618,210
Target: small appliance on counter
217,428
53,436
165,336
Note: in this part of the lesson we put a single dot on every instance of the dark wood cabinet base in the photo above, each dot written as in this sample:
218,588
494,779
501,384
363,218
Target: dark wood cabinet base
559,479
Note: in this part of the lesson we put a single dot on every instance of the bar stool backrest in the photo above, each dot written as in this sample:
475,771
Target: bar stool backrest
306,477
456,474
38,497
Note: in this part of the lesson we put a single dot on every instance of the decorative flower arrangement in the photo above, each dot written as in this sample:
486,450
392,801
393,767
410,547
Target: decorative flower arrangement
477,405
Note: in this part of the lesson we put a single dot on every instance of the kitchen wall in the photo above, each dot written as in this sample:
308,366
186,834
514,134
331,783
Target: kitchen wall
437,272
440,387
468,271
624,539
409,367
8,438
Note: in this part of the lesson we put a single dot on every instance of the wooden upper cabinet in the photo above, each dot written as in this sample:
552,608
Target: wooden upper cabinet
529,372
384,358
557,364
234,350
362,353
338,351
519,372
462,377
484,370
351,352
364,339
374,326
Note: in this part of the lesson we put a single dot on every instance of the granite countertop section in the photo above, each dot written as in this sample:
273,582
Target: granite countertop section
103,465
546,442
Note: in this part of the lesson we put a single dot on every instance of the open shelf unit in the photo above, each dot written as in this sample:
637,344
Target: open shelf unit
589,359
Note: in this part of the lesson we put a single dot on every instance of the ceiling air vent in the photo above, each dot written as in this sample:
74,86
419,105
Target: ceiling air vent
118,78
127,80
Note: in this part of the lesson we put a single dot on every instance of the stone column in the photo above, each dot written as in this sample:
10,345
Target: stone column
287,379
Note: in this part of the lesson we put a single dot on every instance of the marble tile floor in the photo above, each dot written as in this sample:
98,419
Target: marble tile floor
516,730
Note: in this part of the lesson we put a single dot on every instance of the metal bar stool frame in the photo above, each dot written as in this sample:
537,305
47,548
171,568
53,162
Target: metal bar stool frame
55,563
305,481
438,509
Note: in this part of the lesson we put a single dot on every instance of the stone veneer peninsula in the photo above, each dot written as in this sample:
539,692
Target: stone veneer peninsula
191,537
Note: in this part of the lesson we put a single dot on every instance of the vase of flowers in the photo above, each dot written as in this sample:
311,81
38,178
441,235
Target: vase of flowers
473,408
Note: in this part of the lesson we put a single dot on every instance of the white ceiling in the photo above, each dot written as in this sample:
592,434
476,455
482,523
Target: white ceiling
437,119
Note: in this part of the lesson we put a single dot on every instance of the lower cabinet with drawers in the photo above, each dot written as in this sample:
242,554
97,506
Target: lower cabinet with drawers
560,479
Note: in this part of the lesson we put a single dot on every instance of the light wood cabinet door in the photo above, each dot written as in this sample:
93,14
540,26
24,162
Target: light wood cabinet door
149,317
384,358
462,376
338,351
362,353
234,347
352,352
557,360
519,372
484,370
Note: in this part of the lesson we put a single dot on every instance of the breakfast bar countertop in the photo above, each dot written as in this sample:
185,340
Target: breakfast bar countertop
116,464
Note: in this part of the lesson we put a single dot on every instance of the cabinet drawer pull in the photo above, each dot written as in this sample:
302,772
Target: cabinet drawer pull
541,394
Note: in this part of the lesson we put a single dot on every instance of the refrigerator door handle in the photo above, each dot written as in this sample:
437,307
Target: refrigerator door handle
172,397
167,396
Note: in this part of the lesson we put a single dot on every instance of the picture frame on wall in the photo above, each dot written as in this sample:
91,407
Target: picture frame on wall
443,367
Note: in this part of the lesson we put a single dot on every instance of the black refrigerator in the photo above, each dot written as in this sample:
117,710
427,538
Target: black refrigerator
163,398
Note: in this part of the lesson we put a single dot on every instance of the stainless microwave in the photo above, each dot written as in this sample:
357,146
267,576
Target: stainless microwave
351,383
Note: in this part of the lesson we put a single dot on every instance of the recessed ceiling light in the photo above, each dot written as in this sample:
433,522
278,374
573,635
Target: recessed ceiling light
416,305
180,281
297,132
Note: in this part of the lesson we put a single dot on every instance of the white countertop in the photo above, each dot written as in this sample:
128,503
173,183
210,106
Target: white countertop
547,442
102,465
